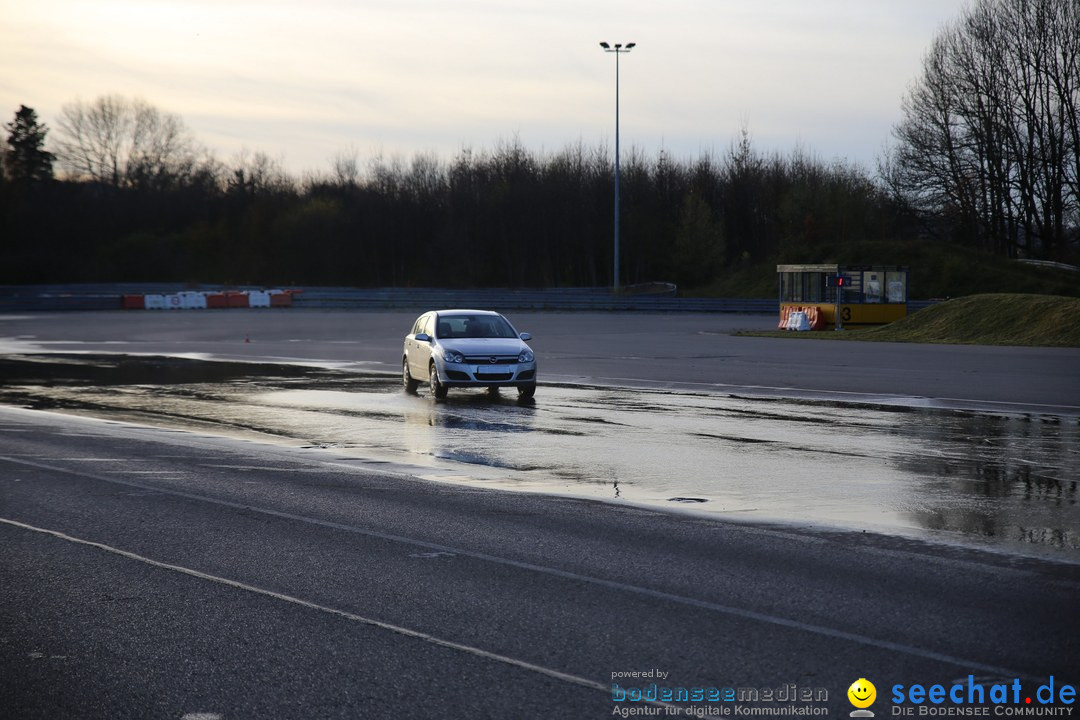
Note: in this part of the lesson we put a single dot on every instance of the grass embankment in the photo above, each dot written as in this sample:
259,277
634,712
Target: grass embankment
937,270
995,319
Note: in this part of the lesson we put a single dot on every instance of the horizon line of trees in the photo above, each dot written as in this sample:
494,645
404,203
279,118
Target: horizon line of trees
158,208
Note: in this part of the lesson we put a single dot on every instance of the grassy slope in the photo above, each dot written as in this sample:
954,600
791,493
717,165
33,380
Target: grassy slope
993,319
936,270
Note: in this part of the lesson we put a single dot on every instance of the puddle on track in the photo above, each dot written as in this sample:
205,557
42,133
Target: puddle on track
989,479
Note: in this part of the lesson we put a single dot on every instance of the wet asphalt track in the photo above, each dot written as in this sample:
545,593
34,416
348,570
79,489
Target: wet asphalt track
150,573
163,573
1007,481
693,352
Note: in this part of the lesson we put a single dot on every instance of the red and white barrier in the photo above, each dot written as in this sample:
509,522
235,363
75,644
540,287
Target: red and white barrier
258,298
154,302
193,300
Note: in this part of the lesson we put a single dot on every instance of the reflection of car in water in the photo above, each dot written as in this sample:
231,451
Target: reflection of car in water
467,348
471,428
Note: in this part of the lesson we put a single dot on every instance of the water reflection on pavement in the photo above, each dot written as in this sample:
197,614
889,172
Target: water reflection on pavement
1004,480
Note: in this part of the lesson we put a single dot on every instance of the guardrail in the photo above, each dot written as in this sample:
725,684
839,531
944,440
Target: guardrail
1049,264
110,297
420,299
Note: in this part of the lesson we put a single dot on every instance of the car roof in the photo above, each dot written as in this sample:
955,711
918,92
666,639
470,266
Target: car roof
465,312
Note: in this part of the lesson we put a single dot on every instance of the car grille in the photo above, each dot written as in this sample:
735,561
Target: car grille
486,360
494,376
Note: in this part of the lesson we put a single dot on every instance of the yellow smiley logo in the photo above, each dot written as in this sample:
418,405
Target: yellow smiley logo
862,693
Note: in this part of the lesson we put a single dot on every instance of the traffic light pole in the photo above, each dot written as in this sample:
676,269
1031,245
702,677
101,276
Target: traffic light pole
839,300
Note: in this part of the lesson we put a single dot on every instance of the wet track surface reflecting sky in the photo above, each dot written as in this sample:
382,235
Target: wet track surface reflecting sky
989,479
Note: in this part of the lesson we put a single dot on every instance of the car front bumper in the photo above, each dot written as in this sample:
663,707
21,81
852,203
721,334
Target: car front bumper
474,375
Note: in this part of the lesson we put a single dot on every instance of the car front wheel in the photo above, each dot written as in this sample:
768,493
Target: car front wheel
407,378
438,390
526,392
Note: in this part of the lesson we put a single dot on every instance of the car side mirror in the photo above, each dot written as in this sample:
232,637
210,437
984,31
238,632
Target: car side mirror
422,337
526,337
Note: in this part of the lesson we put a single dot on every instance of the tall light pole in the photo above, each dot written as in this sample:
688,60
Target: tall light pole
618,49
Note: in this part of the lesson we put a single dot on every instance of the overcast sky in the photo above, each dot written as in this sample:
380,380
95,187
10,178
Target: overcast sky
304,79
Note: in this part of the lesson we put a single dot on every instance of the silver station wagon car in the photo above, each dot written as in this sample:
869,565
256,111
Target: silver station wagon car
467,348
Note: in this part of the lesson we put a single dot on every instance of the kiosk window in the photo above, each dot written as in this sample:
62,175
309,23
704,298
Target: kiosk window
872,289
787,289
896,287
805,287
801,287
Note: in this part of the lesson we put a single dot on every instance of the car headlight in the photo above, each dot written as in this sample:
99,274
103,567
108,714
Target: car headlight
453,356
525,357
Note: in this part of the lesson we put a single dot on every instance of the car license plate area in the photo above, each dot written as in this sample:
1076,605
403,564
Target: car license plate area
493,374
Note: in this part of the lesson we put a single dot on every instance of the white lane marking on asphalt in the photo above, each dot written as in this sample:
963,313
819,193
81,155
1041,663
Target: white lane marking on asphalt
398,629
267,468
565,574
728,387
202,716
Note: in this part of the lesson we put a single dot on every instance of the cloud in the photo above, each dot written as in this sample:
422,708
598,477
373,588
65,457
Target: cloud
296,79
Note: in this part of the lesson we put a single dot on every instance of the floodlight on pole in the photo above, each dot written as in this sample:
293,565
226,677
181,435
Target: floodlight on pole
618,49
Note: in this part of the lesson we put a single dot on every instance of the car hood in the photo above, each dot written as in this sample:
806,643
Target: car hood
485,346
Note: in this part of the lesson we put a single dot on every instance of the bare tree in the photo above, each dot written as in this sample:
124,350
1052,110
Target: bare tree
122,142
346,168
161,151
91,143
258,174
990,137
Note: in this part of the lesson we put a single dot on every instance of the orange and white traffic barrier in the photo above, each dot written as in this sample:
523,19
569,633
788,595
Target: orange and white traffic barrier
785,311
198,300
236,299
258,298
154,302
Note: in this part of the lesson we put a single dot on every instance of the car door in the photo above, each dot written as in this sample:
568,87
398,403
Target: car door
424,349
420,351
414,351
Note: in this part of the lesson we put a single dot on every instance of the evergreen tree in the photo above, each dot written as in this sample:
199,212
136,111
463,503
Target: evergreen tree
25,158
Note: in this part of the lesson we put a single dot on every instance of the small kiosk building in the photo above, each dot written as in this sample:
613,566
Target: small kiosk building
859,294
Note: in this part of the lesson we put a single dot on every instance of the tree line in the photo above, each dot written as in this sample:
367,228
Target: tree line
986,155
140,201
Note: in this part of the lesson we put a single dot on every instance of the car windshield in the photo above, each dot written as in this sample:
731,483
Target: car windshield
473,326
